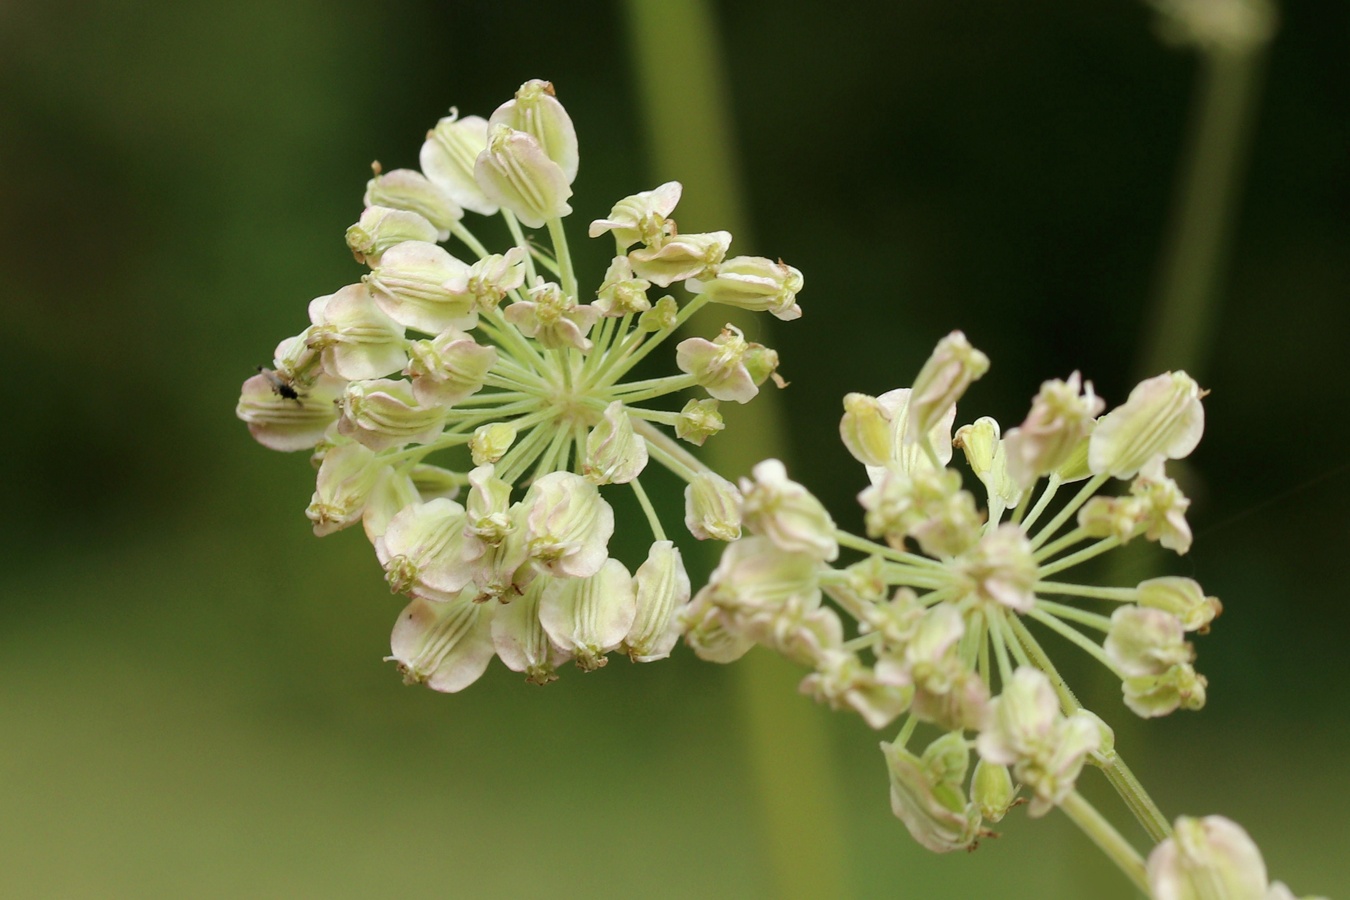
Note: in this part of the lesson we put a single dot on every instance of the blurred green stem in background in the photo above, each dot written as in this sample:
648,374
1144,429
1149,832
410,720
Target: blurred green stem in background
683,91
1203,218
1203,213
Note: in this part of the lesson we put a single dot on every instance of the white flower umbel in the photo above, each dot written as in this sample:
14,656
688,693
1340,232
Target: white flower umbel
452,366
948,600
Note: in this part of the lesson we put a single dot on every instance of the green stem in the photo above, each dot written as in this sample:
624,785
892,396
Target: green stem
645,502
1069,509
558,235
1108,840
1203,215
1137,799
680,79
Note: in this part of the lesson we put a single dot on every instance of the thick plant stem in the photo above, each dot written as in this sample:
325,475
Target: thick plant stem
1105,836
1203,215
681,80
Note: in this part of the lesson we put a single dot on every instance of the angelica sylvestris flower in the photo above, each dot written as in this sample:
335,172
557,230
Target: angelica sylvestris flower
450,365
950,601
476,411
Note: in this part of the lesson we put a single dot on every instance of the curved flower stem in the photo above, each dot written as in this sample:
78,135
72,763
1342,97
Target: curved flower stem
645,502
668,452
1104,835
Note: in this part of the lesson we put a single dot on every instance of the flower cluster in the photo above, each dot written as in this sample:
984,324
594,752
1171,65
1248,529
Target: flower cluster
473,415
944,599
433,377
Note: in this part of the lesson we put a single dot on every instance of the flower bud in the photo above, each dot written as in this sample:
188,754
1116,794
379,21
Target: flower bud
1165,507
423,551
1060,419
682,256
1119,517
487,511
1144,641
709,633
347,475
393,492
910,457
422,286
786,513
712,508
842,681
384,413
753,283
1207,859
641,217
411,191
1025,729
448,158
755,575
521,641
866,429
380,228
1183,598
663,316
354,337
662,588
985,453
991,787
589,616
568,526
925,503
621,293
553,318
761,363
448,368
495,276
537,112
720,365
446,646
515,173
1075,465
614,454
1001,568
698,421
941,382
490,442
288,423
1151,696
1162,417
929,800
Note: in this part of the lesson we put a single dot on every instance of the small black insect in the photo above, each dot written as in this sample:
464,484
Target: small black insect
280,386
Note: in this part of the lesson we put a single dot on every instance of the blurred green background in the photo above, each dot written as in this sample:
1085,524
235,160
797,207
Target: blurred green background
192,696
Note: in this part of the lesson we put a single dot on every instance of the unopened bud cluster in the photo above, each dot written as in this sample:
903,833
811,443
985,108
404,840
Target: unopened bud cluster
471,408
